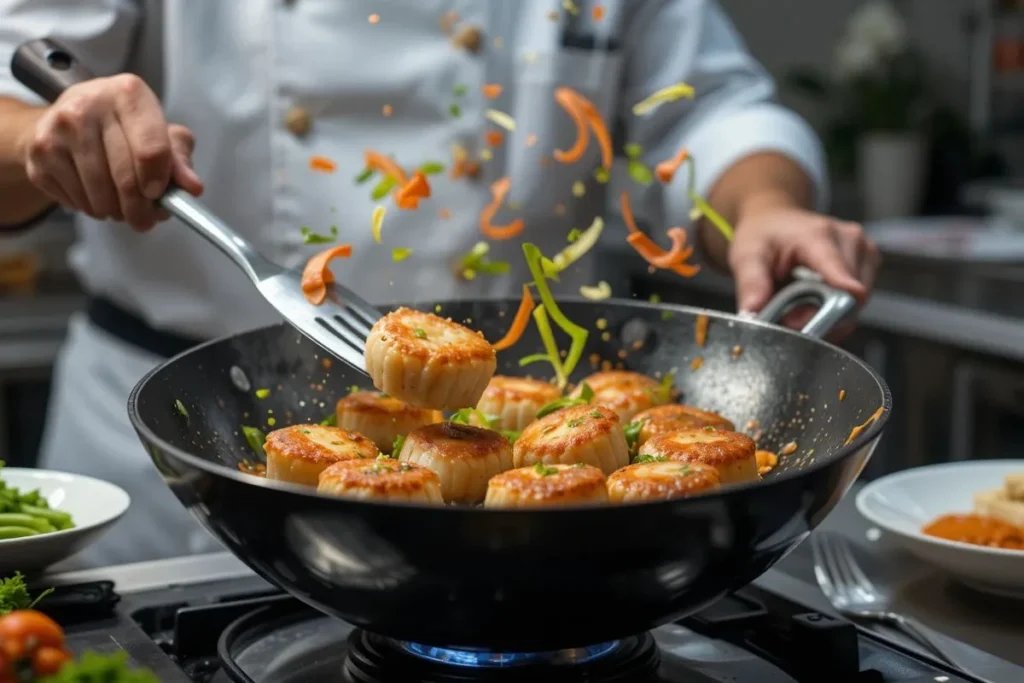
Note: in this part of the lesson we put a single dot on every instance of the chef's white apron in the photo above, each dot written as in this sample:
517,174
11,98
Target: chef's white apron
89,433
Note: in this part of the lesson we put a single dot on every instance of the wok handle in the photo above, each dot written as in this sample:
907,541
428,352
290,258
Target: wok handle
833,305
48,68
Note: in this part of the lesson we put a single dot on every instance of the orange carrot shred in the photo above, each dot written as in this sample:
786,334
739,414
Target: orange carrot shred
386,165
666,170
586,117
499,190
627,213
322,164
519,323
658,257
598,12
494,137
317,275
491,91
444,214
702,330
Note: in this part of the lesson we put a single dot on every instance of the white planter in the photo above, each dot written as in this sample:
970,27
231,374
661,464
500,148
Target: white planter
890,170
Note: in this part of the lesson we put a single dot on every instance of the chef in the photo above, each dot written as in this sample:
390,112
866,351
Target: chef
266,108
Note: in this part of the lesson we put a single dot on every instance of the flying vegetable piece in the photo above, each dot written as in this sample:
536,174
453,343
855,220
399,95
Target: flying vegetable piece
600,292
499,190
376,223
644,245
576,333
587,118
519,323
668,94
317,275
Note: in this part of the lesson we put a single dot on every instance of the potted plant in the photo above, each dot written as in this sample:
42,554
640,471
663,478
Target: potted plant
876,91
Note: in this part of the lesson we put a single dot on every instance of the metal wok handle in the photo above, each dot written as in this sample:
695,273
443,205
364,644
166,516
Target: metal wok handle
834,305
49,68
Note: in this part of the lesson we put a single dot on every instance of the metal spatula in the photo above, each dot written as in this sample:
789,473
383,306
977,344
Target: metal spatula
340,325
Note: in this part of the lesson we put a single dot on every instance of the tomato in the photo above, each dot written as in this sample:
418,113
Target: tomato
47,661
30,629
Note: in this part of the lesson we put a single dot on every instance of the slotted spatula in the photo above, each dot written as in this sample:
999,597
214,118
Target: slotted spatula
340,325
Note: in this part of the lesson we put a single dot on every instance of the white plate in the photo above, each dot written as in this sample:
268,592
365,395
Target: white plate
902,503
93,505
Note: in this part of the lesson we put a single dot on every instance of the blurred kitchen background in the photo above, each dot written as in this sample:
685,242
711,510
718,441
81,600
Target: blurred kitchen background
921,106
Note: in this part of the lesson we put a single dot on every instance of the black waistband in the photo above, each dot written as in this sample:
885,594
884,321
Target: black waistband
130,328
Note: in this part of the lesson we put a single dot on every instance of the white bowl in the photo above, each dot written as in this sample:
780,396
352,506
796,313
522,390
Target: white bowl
902,503
94,505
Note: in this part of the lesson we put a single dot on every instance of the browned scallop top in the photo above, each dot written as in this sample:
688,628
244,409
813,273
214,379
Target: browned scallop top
674,417
427,336
622,388
377,403
566,429
550,482
380,475
668,478
517,389
706,445
318,443
453,441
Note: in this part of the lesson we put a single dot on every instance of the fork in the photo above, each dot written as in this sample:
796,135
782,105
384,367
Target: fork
853,594
340,325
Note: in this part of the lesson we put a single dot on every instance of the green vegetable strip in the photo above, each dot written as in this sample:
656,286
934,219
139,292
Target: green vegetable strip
716,219
540,316
534,358
577,333
255,438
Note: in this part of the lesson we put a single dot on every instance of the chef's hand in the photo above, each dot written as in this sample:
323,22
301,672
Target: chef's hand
773,239
104,148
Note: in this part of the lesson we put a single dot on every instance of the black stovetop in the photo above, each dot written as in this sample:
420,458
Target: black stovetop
752,636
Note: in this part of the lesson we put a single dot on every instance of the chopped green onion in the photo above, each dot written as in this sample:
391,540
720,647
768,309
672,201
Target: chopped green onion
664,392
255,438
586,393
716,219
639,172
633,151
601,175
420,333
459,90
399,254
577,248
509,434
353,388
310,237
455,110
666,315
476,261
641,459
366,174
396,447
262,393
386,184
432,168
654,298
534,358
578,189
543,470
573,235
578,334
632,431
465,416
547,337
330,421
271,421
560,404
180,407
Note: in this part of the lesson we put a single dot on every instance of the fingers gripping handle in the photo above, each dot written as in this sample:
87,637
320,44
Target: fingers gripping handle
47,68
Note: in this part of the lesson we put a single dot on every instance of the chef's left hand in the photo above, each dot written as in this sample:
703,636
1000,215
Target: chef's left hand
771,241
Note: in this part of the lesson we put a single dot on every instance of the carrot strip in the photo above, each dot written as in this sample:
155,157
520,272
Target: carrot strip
598,12
322,164
566,98
627,213
494,137
702,330
499,190
491,91
379,162
316,275
519,323
647,248
410,194
666,170
658,257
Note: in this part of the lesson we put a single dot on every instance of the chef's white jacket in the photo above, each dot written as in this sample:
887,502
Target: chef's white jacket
240,73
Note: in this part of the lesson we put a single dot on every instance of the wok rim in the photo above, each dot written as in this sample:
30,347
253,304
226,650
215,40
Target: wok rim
867,436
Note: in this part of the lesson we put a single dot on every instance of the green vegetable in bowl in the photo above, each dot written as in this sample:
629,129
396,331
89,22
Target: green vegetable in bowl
25,514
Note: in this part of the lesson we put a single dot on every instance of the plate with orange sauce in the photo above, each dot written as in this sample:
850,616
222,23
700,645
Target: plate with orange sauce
965,518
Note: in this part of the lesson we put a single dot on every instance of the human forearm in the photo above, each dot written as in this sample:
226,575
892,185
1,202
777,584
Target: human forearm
759,182
20,201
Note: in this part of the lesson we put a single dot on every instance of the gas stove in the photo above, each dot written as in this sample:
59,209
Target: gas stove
209,620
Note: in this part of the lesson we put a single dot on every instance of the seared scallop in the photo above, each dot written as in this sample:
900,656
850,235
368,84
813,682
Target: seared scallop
625,392
660,481
547,486
731,453
675,417
381,479
516,400
298,454
463,456
580,434
427,361
381,418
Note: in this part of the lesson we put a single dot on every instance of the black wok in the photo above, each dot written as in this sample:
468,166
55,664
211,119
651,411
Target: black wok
512,580
520,580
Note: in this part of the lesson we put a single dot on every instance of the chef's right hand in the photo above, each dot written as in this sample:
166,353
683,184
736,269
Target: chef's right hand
104,148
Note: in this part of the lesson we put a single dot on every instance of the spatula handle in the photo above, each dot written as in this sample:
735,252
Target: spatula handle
49,68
